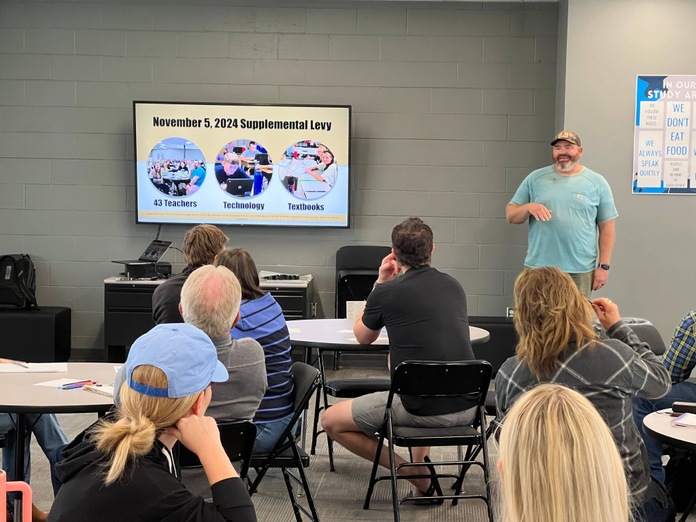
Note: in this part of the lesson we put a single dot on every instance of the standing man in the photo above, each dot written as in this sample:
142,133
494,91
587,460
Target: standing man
571,213
201,244
424,312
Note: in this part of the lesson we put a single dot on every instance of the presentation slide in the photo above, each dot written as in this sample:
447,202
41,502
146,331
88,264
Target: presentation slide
226,164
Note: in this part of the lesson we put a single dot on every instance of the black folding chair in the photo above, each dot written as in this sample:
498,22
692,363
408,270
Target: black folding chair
287,454
647,333
442,388
238,441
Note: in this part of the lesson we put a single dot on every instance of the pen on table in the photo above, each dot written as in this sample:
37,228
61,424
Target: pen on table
76,384
23,365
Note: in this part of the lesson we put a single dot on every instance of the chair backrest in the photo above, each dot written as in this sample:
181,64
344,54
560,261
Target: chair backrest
357,268
361,257
441,387
306,379
647,333
237,439
501,345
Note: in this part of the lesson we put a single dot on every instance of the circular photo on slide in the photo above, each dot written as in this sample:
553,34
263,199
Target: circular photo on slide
308,169
243,168
176,167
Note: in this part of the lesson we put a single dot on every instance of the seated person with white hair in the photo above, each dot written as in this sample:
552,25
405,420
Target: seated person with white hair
123,468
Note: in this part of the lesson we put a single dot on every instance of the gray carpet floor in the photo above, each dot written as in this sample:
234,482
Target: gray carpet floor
338,495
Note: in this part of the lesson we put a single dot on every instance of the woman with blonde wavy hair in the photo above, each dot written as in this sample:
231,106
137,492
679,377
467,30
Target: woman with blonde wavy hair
123,468
558,461
558,344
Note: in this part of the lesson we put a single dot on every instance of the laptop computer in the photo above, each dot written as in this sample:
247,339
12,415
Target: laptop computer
240,186
150,256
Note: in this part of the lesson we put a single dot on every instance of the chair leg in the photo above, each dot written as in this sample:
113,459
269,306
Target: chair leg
305,485
329,444
484,448
315,427
392,471
373,474
291,493
254,485
470,454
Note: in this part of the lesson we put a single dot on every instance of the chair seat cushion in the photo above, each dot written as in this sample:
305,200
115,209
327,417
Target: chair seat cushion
431,436
285,459
351,388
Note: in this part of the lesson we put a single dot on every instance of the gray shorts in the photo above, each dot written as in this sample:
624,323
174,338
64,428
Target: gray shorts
583,282
368,414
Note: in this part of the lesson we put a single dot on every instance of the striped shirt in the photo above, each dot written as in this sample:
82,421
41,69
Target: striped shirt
262,319
680,358
609,374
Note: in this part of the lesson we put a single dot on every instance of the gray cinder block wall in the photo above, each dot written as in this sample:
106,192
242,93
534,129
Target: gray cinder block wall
453,104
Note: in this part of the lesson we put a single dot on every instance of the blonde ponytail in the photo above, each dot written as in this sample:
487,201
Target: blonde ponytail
139,421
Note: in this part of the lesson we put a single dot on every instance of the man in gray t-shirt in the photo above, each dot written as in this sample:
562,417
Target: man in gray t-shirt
210,300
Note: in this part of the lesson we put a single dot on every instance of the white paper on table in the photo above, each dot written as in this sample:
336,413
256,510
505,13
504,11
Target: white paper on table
105,390
687,420
55,367
117,368
294,330
353,309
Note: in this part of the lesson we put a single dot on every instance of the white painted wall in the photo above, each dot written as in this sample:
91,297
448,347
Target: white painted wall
609,42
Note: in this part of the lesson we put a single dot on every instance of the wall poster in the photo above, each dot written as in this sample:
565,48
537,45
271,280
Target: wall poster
664,148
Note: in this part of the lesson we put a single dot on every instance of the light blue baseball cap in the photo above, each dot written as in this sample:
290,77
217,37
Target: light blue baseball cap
183,352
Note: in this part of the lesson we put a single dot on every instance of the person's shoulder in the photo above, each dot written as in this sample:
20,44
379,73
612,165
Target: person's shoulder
594,177
598,352
434,273
248,345
540,173
689,320
508,367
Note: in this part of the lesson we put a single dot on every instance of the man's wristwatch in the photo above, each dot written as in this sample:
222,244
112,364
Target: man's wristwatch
604,266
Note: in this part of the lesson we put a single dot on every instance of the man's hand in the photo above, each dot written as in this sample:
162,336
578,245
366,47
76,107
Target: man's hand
518,214
539,211
389,269
600,278
607,312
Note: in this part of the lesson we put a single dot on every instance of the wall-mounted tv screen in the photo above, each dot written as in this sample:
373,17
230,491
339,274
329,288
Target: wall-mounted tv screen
273,165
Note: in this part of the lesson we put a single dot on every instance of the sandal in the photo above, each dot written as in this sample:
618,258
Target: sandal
427,499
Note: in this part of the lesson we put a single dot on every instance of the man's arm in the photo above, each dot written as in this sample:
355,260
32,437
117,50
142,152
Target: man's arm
388,271
518,214
362,333
680,357
607,238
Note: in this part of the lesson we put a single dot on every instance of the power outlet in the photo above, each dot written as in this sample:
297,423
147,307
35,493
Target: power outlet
509,311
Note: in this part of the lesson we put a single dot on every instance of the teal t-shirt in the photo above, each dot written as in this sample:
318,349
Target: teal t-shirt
577,203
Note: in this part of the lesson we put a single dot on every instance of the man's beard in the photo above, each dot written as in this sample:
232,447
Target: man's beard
568,167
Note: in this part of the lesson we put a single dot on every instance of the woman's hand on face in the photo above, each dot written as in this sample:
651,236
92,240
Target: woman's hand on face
197,432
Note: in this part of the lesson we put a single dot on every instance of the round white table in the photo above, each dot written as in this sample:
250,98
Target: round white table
20,393
658,425
337,334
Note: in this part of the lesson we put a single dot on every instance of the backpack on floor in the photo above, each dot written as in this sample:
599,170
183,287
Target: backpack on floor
17,281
